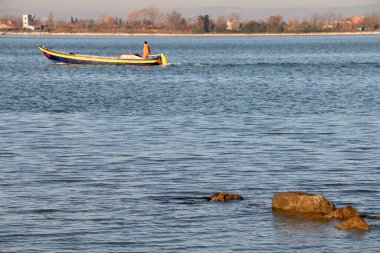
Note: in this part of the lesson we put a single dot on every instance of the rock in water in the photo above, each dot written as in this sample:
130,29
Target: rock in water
343,213
355,223
302,202
225,196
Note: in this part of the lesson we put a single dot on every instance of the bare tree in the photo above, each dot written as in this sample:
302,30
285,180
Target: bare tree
330,18
144,17
111,22
372,21
175,20
153,14
234,16
294,25
134,19
50,21
221,24
316,22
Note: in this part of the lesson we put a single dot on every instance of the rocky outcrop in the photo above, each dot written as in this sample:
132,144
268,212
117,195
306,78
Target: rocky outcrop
343,213
302,202
225,196
355,223
317,208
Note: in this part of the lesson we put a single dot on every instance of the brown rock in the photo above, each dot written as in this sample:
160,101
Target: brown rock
302,202
299,219
343,213
355,223
225,196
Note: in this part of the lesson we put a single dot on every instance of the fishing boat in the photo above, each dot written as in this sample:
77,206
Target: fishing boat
124,59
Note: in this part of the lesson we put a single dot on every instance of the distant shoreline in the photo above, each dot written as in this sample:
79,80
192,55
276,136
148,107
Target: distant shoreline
191,35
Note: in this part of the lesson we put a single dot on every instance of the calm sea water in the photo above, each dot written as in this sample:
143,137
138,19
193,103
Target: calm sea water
121,158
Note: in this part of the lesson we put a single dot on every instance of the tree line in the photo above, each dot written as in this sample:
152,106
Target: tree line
152,20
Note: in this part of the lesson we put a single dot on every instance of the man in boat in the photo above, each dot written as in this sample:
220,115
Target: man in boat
146,50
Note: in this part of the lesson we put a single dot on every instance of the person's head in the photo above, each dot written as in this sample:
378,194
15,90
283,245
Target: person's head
145,42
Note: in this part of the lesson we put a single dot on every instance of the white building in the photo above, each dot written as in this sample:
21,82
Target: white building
28,21
233,25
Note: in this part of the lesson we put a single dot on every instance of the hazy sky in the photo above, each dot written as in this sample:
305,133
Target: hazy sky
117,7
163,4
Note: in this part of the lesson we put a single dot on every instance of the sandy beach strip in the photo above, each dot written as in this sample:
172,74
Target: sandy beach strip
192,35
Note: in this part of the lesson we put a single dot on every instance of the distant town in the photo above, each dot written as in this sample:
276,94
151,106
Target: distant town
152,20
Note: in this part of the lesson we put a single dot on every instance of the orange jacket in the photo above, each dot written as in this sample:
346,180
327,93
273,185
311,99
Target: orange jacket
146,50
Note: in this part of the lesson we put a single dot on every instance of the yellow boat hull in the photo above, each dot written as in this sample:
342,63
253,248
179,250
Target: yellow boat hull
71,58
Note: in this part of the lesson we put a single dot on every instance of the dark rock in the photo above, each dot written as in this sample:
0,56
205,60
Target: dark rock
355,223
343,213
225,196
302,202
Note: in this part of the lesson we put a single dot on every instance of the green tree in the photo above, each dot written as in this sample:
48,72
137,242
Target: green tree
204,23
275,24
250,27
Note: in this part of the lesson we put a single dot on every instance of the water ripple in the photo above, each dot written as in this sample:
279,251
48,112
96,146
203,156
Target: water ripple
116,159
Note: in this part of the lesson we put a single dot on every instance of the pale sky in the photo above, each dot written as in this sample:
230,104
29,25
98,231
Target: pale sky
169,4
94,8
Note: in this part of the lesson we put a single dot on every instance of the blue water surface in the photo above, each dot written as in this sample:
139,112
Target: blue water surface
122,158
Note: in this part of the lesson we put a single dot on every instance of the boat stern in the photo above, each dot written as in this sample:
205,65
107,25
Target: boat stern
162,60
